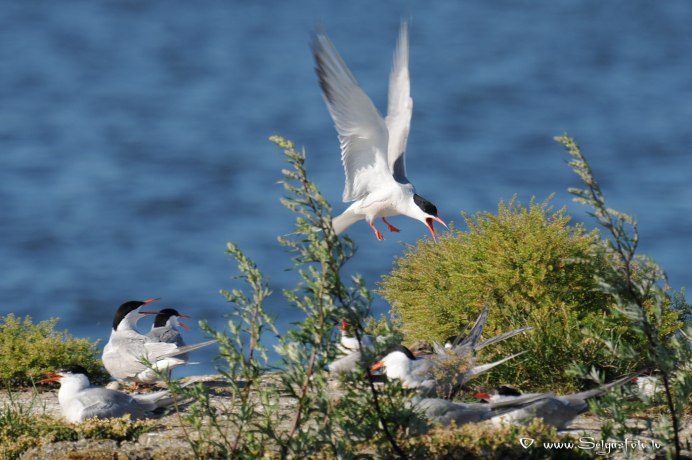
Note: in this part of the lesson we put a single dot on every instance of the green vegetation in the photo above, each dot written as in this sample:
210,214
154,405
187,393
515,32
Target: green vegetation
487,442
644,305
597,309
533,268
254,422
529,264
29,350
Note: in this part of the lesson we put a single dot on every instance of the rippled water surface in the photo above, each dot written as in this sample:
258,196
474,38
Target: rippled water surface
133,135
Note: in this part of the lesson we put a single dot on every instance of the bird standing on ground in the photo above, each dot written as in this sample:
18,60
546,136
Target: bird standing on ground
372,148
79,400
127,351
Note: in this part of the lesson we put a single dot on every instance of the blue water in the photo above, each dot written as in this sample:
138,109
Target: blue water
133,135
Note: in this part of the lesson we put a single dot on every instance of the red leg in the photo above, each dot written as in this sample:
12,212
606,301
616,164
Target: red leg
377,232
390,226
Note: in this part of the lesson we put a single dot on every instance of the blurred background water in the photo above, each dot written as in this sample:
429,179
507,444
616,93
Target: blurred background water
133,134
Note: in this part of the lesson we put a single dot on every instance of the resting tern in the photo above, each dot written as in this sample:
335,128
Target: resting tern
349,349
372,148
348,342
79,400
445,412
557,411
648,385
448,368
127,349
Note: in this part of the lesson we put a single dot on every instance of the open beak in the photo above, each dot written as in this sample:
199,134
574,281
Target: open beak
52,377
377,365
429,224
183,325
147,302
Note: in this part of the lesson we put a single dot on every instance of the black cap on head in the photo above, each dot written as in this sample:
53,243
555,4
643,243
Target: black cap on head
425,205
505,390
123,310
405,351
163,316
72,369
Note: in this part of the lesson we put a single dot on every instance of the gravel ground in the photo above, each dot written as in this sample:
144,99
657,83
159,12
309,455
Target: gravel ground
169,441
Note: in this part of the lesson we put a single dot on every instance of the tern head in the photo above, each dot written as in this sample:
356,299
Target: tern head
170,317
426,212
396,363
128,313
499,393
70,372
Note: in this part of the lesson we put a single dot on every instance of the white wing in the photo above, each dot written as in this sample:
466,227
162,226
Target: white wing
399,108
362,131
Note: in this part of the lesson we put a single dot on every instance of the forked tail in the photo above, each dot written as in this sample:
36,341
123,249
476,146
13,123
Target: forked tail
343,221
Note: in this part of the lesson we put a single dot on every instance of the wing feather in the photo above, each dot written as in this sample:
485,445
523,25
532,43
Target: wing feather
399,108
362,130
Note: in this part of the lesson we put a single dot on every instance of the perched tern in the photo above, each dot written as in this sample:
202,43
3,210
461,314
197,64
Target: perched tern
372,148
79,400
165,328
127,350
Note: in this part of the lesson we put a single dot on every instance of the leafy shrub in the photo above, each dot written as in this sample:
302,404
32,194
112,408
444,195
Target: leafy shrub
534,269
662,323
483,441
28,350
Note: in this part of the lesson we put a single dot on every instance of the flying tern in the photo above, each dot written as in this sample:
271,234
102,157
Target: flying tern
79,400
127,352
372,148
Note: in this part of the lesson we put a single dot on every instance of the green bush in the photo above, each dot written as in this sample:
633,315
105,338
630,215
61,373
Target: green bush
534,269
29,350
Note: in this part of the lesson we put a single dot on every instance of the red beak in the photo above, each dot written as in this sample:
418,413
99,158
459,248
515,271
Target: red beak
52,377
377,365
151,300
342,327
481,395
429,224
184,326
